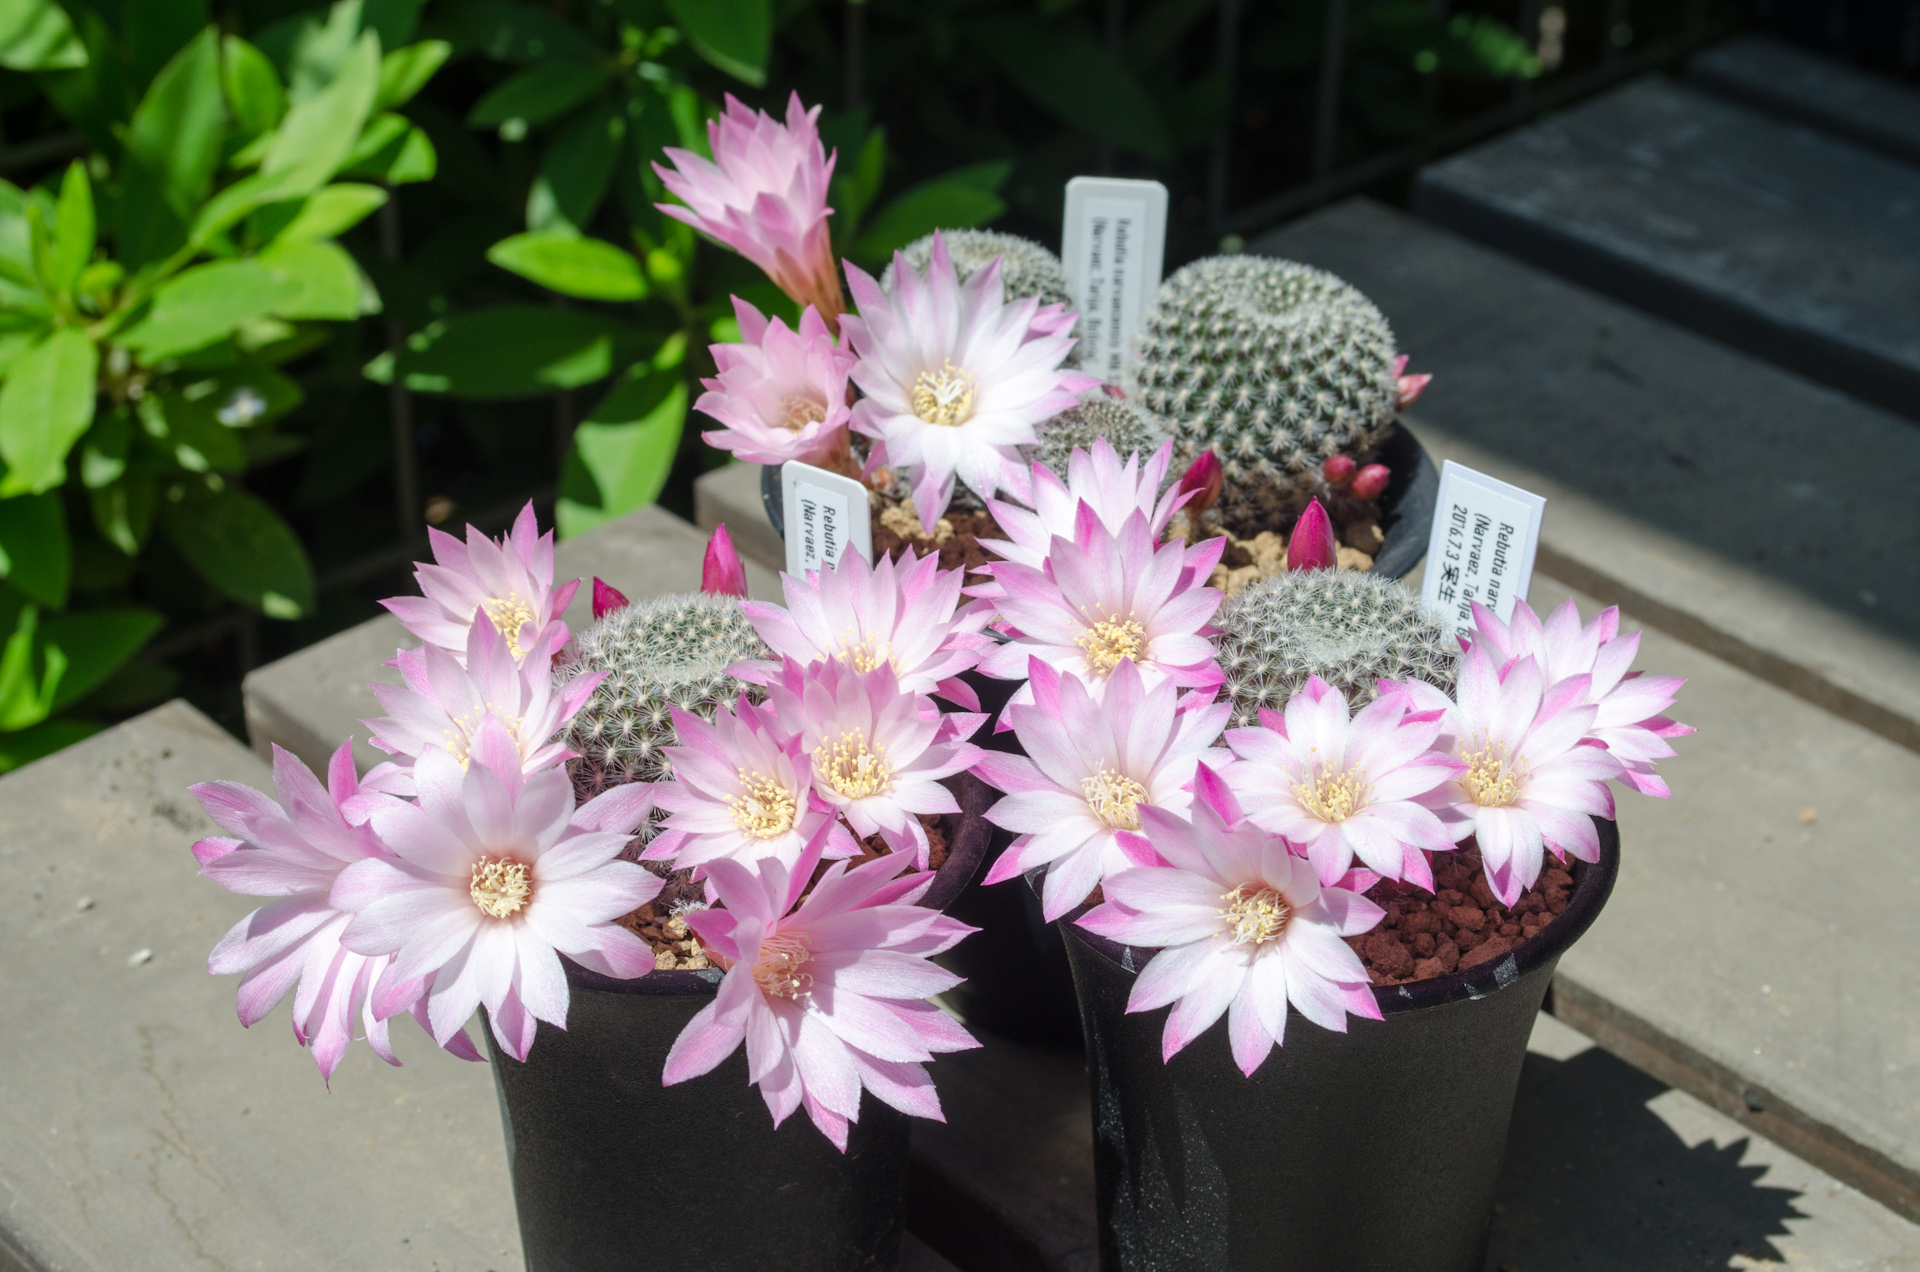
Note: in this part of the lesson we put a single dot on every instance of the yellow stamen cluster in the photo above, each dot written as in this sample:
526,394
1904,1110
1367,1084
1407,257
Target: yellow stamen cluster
1333,796
459,739
500,886
944,397
777,972
851,768
1112,640
865,654
764,809
1254,914
1114,798
798,413
508,613
1493,779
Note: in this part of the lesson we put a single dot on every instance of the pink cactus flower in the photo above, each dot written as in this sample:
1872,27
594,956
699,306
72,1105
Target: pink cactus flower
1244,930
1201,483
1630,707
1090,770
294,850
1338,788
1408,387
742,787
722,572
953,377
495,874
510,581
764,194
1311,546
828,993
442,704
878,754
1534,776
782,394
1105,599
902,614
607,598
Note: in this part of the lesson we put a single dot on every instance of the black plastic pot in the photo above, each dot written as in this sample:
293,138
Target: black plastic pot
1370,1151
614,1171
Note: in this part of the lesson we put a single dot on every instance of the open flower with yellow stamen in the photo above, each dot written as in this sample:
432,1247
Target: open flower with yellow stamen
782,394
1090,768
743,788
954,378
495,874
828,993
510,581
1340,787
1243,928
878,753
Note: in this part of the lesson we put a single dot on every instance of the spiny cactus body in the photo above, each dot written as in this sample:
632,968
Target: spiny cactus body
1273,365
1026,268
1127,426
672,651
1346,627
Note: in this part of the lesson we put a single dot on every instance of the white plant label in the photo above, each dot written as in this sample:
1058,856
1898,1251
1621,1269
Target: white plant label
1485,534
826,516
1113,244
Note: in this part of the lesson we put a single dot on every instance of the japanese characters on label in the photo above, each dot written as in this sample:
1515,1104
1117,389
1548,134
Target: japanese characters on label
1485,534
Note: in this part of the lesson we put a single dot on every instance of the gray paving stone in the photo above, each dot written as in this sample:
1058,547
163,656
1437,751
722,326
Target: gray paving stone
140,1126
731,496
1777,239
1802,87
312,701
1765,518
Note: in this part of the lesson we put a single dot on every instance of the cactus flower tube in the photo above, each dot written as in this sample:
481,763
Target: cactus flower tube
722,572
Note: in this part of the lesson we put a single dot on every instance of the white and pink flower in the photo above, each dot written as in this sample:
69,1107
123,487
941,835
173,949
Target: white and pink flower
510,581
782,394
494,874
828,993
1090,770
1340,787
954,378
1243,927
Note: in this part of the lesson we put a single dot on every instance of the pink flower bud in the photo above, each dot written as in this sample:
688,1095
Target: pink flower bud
1312,546
1202,480
1370,481
1400,365
722,573
1113,391
1411,387
1337,469
606,599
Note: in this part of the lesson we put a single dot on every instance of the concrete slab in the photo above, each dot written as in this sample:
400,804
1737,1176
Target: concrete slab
1777,239
1801,87
311,701
140,1125
731,496
1761,517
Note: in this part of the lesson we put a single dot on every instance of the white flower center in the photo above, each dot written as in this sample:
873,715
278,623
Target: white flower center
851,768
764,809
1112,640
1254,915
1333,796
1494,779
500,886
508,613
1114,798
777,972
797,414
459,739
863,656
945,396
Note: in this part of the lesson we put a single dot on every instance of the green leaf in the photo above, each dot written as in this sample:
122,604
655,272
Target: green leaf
204,304
510,32
73,229
509,351
539,93
571,265
331,211
574,171
623,451
391,150
734,35
103,450
859,184
173,151
956,200
34,554
190,435
123,511
149,32
22,702
244,393
96,644
252,86
45,407
41,740
311,50
16,235
35,35
406,71
1072,76
318,134
324,280
243,548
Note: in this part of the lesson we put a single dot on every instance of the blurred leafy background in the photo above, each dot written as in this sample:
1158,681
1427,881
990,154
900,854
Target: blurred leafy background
282,284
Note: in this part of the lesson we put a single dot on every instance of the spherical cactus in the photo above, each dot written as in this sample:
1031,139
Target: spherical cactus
672,651
1273,365
1127,426
1347,627
1026,268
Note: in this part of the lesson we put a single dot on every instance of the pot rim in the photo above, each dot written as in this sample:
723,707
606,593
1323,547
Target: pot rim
966,851
1592,885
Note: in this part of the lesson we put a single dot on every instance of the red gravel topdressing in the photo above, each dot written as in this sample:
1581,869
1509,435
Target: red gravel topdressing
1426,935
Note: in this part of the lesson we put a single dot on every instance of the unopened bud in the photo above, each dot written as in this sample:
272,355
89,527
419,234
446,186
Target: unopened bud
606,599
1312,545
1337,469
1201,482
1411,387
722,573
1370,481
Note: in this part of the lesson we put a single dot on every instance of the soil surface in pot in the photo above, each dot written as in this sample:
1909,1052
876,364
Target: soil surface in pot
1460,925
956,535
1247,561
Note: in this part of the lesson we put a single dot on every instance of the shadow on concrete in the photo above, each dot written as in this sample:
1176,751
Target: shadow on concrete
1595,1181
